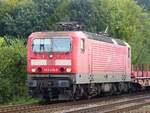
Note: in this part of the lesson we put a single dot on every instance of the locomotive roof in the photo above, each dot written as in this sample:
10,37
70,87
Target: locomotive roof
89,35
104,38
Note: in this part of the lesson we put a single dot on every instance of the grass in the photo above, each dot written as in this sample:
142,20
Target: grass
23,100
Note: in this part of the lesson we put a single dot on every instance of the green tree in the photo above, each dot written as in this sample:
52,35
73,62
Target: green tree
144,3
12,71
128,21
89,13
27,16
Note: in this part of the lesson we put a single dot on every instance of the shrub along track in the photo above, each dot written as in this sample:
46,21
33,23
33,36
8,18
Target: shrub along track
103,104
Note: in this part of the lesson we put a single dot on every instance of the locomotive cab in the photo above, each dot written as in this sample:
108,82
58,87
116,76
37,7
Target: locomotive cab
51,55
49,62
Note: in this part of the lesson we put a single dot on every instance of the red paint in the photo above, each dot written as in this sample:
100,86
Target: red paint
139,73
98,57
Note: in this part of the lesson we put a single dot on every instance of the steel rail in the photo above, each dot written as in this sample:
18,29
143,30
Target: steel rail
114,107
67,105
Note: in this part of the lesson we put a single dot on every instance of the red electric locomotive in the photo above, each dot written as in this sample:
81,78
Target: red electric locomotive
77,64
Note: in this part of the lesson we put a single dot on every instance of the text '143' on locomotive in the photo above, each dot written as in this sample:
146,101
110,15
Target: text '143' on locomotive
76,64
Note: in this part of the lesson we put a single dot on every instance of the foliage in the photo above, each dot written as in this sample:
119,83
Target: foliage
89,13
59,14
12,71
144,3
85,11
129,22
24,100
26,17
2,41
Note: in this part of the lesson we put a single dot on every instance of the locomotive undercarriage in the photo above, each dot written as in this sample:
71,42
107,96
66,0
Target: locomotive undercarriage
56,88
92,90
50,88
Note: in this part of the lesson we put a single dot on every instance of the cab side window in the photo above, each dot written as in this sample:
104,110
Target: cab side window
82,45
129,52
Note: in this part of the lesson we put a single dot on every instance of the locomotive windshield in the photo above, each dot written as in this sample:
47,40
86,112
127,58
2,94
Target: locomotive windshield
51,45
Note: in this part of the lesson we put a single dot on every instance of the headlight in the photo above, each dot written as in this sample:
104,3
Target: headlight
68,70
51,56
33,69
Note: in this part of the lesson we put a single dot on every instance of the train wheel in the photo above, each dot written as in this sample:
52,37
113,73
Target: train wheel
125,88
120,87
44,95
93,90
77,92
129,85
99,90
136,87
114,89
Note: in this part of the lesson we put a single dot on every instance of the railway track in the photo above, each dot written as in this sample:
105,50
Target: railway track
114,107
105,104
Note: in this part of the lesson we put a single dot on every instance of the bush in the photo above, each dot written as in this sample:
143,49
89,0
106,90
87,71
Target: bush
12,71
